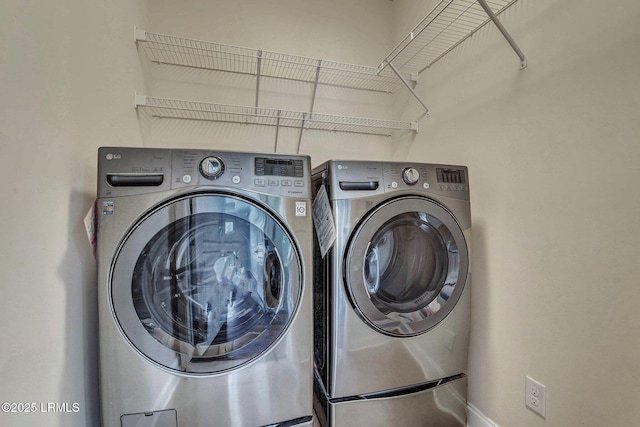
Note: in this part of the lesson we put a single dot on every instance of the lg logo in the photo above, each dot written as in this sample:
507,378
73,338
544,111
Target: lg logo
113,156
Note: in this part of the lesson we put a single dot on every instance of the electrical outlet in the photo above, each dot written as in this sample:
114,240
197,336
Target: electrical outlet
535,395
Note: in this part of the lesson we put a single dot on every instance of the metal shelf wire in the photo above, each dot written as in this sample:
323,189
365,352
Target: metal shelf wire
445,27
195,110
167,49
449,23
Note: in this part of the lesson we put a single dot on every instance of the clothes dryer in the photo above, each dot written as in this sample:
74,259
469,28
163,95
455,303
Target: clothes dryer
204,288
392,307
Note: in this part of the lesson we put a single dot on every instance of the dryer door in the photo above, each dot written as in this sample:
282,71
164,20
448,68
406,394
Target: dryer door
205,284
406,265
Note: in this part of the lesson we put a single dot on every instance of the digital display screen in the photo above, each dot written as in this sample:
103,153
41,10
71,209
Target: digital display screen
279,167
451,176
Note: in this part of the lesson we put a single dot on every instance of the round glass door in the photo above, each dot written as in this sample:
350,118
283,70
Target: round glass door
205,284
406,266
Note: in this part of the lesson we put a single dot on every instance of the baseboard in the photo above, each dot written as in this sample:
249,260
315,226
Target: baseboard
475,418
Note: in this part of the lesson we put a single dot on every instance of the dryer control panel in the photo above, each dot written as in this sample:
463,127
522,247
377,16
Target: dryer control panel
364,178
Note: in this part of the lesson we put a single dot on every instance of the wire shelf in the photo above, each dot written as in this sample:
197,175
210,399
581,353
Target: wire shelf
195,110
445,27
173,50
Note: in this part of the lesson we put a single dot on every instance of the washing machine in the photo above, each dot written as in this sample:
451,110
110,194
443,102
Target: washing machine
392,294
204,269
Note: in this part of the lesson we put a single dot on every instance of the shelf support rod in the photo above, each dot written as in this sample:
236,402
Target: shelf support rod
275,147
304,119
315,85
505,33
406,83
258,71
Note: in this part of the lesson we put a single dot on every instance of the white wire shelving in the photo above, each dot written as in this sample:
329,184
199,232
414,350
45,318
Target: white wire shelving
167,108
448,24
173,50
184,52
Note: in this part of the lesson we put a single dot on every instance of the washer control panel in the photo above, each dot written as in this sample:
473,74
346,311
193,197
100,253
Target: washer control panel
272,174
127,171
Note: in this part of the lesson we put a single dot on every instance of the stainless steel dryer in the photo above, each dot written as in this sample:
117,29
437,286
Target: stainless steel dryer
204,288
392,308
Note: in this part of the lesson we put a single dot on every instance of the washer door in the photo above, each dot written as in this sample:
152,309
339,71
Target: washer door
406,266
205,284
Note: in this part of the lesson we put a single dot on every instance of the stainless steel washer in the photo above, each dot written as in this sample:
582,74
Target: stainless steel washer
204,288
391,297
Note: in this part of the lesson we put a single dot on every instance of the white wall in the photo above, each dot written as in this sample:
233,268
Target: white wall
68,74
354,31
68,71
553,154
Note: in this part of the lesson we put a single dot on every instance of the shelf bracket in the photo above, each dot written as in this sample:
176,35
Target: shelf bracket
140,100
406,83
138,34
505,33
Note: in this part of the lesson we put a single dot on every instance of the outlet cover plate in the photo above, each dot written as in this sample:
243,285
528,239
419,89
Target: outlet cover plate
536,396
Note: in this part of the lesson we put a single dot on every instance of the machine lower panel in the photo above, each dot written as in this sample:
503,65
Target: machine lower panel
167,418
298,422
444,405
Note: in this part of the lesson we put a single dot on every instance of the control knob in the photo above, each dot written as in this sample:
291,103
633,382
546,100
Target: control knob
410,176
211,167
